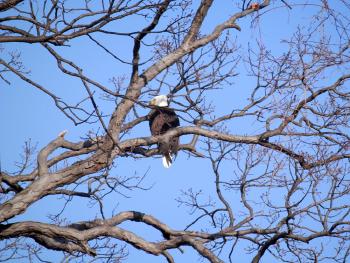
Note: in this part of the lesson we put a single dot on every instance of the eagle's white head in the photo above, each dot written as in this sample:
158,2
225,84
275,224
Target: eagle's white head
159,101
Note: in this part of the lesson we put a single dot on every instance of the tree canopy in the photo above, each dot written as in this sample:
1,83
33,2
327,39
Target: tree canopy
262,92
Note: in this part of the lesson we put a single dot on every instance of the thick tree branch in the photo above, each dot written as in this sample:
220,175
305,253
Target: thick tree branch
7,4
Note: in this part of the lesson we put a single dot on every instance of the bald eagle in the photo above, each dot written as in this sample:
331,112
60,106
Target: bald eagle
161,119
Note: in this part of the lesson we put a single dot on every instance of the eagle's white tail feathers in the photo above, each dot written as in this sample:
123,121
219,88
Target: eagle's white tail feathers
166,162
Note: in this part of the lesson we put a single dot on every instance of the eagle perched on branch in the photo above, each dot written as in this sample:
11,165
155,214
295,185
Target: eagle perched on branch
161,119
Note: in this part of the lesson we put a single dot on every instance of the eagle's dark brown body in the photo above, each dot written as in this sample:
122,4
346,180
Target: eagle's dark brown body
161,120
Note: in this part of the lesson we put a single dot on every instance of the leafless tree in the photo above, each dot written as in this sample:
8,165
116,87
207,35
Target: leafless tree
279,156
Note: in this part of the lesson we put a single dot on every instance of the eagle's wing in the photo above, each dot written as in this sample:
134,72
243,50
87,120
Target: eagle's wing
161,120
156,122
171,120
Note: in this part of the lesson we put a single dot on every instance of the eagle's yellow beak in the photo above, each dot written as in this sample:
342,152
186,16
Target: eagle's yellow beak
152,102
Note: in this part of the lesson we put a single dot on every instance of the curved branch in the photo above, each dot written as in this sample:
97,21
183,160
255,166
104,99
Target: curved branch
7,4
